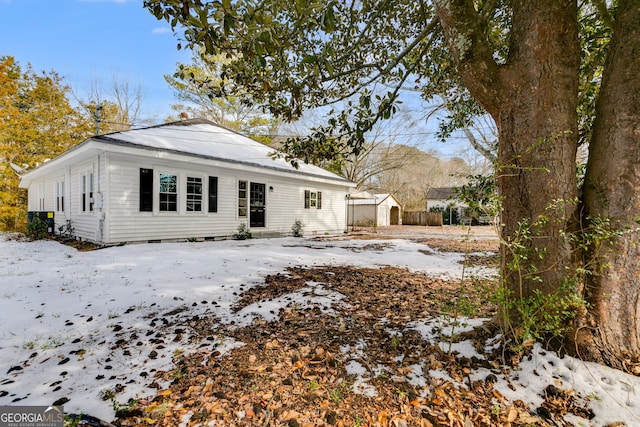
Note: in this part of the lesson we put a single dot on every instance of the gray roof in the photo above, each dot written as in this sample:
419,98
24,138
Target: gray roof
441,193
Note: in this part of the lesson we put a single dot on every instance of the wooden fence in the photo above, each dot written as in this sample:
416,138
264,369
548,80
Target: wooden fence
421,218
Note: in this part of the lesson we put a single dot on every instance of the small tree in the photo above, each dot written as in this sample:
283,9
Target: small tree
297,229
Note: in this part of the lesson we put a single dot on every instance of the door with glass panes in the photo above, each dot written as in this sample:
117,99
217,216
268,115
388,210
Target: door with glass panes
257,205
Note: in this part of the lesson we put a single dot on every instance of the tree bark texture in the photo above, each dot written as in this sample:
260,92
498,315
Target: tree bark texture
537,125
533,100
611,191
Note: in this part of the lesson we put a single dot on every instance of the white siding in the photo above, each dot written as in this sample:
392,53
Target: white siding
284,202
85,224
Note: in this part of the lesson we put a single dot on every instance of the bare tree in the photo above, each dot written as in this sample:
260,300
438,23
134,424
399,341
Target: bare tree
119,107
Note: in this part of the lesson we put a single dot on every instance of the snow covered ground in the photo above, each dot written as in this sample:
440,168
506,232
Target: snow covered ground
74,324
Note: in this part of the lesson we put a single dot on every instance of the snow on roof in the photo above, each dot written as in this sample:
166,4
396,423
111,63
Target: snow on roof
203,138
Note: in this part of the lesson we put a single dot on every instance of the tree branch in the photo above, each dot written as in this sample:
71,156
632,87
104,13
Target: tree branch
488,154
390,66
471,51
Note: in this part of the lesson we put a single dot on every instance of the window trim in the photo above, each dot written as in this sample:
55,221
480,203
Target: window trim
199,196
175,193
41,196
59,194
245,199
312,199
87,188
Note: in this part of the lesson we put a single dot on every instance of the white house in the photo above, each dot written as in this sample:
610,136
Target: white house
378,209
443,198
446,199
184,180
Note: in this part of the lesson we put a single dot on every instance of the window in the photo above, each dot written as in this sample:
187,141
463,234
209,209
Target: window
84,193
90,192
60,196
242,199
146,190
86,184
41,196
168,193
312,199
194,194
213,194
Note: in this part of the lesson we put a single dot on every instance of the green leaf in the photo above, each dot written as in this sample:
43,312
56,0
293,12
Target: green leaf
329,19
264,37
260,61
229,22
308,59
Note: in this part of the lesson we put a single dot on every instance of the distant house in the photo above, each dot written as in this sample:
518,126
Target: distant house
378,209
184,180
442,197
445,199
454,210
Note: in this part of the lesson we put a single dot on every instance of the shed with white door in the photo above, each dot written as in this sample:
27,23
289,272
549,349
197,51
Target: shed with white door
374,210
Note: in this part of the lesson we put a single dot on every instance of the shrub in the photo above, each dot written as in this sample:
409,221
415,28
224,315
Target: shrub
297,229
242,233
37,229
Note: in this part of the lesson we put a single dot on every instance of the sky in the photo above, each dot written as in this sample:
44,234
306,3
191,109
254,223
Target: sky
89,41
63,314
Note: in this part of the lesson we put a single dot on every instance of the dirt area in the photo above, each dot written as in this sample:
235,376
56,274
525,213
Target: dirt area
460,239
418,231
298,370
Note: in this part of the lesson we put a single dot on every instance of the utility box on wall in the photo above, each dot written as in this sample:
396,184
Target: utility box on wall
47,217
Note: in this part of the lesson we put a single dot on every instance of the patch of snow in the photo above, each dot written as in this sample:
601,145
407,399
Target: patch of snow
360,385
76,323
612,395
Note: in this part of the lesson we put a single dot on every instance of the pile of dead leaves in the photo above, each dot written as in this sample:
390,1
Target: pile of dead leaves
298,369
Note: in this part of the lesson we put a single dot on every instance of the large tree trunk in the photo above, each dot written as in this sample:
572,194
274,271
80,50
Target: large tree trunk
533,99
611,191
537,144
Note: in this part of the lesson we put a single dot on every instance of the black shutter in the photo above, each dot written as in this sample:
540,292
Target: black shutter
213,194
307,199
146,190
319,200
